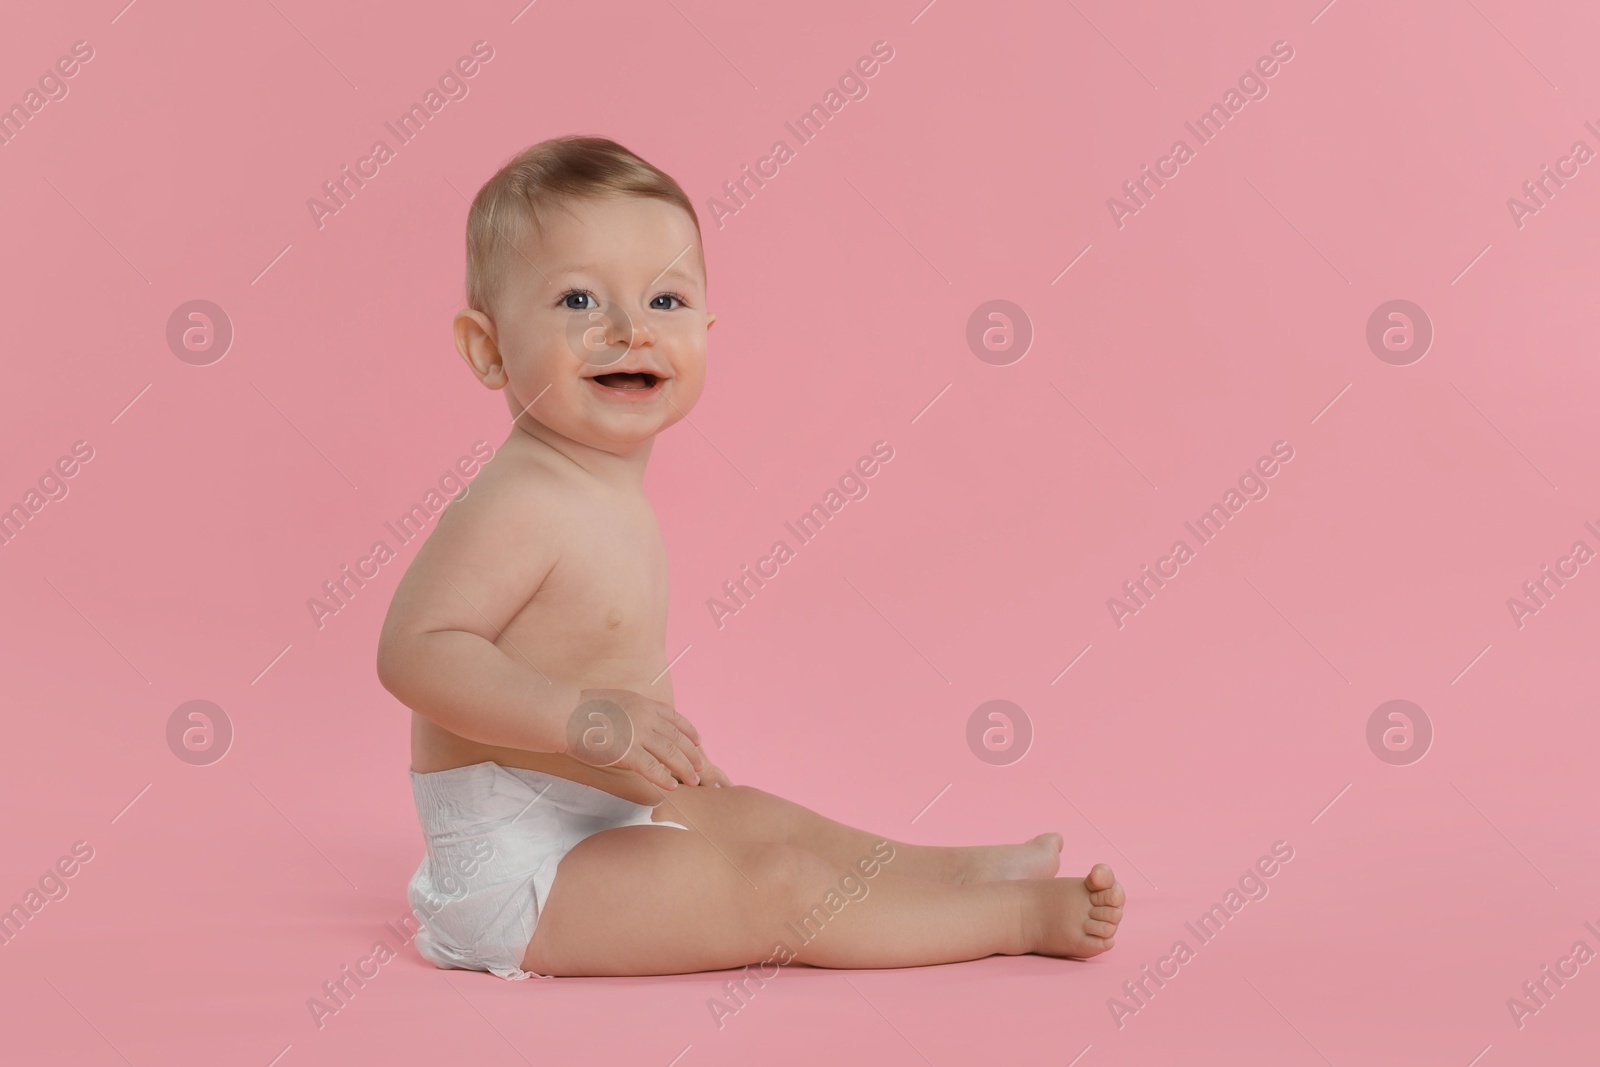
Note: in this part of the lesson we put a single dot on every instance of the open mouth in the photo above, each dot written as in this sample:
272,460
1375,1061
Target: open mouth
629,381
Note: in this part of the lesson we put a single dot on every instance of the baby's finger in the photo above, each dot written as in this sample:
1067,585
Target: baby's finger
652,769
684,724
690,746
674,757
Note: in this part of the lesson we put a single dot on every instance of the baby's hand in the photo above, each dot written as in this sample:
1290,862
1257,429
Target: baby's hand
712,775
621,728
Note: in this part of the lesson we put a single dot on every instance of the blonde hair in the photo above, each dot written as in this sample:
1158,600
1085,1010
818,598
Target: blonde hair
573,167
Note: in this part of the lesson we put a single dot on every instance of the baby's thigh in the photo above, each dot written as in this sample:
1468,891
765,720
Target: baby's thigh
659,900
737,813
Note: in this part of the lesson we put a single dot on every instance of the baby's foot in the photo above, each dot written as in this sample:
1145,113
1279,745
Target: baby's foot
1038,858
1078,917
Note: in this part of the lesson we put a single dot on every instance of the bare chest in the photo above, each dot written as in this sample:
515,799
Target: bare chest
601,613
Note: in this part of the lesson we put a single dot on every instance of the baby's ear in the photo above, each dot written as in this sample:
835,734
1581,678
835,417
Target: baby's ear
474,333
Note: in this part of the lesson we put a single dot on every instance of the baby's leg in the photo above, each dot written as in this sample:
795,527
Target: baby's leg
647,900
743,813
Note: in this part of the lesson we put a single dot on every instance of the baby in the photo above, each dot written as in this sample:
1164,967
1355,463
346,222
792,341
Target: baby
574,824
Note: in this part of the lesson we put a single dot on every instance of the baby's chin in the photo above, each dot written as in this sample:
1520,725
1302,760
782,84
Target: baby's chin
620,434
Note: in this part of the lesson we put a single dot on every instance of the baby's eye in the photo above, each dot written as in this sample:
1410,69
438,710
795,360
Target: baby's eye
666,296
576,294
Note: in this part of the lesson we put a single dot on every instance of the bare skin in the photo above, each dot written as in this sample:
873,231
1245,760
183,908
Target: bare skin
640,900
544,589
743,813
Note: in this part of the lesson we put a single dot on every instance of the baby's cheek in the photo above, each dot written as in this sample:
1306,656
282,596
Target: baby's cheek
690,378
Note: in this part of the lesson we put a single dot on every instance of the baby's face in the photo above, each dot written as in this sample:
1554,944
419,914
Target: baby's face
608,322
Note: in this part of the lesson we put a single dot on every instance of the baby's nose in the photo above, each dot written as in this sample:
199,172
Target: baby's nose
634,330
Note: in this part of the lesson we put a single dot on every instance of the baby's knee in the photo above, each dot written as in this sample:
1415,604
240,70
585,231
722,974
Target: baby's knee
745,796
760,811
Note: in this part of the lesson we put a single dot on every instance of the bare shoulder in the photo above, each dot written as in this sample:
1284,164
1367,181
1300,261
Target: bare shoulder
519,483
490,550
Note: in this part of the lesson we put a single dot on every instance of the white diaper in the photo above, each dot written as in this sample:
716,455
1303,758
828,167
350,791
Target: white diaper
494,836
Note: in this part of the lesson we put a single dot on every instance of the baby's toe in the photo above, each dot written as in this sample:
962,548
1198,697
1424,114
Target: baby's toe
1100,878
1105,914
1112,897
1096,928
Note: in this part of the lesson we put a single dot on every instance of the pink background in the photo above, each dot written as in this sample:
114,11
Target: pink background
1226,315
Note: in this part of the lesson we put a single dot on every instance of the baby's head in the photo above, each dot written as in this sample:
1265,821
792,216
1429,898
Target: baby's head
586,293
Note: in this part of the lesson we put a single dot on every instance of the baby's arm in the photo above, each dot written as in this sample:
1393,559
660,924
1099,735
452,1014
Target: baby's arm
484,562
437,651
